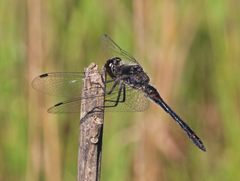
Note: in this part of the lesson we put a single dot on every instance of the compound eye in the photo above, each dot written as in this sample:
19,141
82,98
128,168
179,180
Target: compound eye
117,60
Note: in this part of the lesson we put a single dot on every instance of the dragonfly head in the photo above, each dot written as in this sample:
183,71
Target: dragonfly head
112,66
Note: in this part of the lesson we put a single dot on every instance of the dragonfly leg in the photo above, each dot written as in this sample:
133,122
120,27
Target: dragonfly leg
108,81
113,87
124,94
121,90
100,108
100,86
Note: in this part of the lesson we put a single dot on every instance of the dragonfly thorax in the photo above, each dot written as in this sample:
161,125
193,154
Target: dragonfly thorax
112,66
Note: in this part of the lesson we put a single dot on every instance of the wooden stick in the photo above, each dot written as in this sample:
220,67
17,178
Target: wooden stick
91,125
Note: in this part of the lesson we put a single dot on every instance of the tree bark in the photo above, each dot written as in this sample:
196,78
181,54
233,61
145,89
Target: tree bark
91,125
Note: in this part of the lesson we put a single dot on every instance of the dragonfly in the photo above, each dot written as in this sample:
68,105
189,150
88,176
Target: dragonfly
128,88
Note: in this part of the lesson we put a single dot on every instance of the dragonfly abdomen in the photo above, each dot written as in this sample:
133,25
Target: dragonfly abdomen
153,94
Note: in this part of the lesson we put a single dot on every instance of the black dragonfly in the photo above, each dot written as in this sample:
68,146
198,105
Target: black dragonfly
127,88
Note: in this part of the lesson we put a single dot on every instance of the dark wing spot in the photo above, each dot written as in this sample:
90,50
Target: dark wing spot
58,104
43,75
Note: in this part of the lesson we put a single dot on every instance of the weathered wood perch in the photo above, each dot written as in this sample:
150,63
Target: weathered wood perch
91,125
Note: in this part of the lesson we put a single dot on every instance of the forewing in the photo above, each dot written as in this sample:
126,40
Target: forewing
113,50
63,84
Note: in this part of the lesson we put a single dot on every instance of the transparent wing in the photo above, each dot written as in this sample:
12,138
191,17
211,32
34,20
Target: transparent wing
63,84
113,50
69,106
135,101
69,85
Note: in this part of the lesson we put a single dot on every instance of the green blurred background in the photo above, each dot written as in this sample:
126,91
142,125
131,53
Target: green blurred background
191,51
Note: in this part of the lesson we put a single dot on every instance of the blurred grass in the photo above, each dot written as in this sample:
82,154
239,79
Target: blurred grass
191,51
